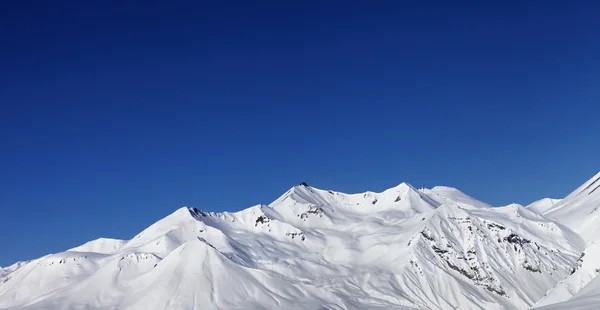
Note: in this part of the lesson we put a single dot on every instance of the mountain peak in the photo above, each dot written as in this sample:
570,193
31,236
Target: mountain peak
592,185
441,188
511,205
443,194
315,248
100,245
402,187
542,205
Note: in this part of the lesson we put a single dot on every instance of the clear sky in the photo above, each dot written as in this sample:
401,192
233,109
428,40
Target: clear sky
113,115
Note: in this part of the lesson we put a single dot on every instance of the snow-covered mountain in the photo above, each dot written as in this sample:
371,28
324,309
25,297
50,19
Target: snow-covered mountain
587,298
542,205
579,212
404,248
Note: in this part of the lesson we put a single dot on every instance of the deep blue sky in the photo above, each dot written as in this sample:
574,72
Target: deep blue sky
113,115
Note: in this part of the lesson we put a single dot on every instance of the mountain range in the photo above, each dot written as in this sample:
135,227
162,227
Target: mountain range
403,248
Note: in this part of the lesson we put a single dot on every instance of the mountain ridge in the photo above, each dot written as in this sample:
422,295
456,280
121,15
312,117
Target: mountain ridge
402,248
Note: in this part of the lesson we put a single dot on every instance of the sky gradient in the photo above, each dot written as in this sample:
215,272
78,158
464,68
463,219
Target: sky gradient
114,114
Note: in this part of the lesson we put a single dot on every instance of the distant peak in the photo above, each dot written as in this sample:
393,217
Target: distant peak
512,205
444,188
302,193
402,187
302,187
406,185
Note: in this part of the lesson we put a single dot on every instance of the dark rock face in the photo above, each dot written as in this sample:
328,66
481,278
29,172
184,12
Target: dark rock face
515,239
494,225
427,236
578,263
438,250
312,210
298,234
531,268
262,220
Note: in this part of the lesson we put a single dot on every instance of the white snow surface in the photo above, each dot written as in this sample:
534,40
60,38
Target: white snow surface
403,248
579,212
100,245
542,205
587,298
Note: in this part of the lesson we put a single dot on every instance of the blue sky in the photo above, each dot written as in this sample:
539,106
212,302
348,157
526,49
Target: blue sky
113,115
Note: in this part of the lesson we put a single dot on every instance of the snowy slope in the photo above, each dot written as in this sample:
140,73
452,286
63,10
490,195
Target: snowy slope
586,299
443,194
579,211
101,245
585,270
542,205
403,248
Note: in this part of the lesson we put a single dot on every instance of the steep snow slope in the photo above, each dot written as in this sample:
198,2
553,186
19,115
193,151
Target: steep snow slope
444,194
101,245
579,211
586,299
542,205
585,270
313,249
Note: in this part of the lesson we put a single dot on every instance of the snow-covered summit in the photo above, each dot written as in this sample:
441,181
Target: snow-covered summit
445,193
542,205
402,248
100,245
